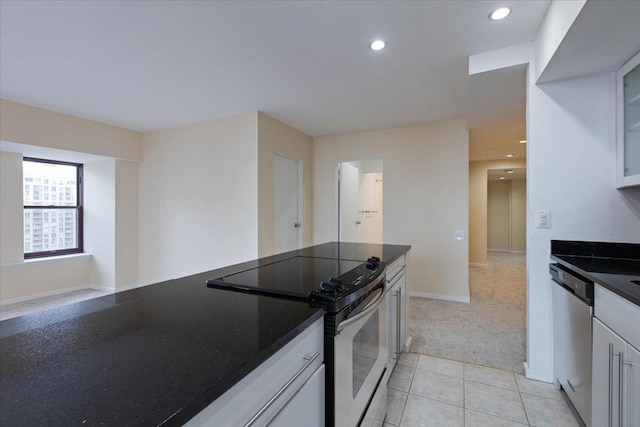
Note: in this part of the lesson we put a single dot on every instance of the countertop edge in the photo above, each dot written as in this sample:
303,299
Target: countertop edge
195,407
629,297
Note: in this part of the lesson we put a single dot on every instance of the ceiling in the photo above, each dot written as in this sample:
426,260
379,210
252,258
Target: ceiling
157,64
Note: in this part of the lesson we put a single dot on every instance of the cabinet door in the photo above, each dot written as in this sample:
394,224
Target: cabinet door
402,314
631,387
607,346
306,407
628,148
392,325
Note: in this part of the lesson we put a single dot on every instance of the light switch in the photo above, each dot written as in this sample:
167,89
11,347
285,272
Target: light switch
543,219
459,234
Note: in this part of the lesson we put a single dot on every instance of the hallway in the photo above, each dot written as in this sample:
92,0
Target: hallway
489,331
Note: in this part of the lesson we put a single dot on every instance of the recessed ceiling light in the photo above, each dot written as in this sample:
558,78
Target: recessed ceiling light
502,177
499,14
523,141
510,155
377,45
510,171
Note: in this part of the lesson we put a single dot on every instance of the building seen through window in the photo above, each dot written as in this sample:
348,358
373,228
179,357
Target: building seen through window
52,193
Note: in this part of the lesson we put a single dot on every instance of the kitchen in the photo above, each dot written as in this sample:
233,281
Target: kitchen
421,208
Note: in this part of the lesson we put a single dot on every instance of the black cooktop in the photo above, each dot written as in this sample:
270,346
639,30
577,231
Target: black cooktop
294,277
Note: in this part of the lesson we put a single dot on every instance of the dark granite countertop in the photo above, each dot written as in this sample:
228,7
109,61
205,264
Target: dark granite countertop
155,355
616,266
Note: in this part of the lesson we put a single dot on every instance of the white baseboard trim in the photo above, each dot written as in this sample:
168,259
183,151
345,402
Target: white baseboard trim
407,346
498,250
518,252
477,264
440,297
56,292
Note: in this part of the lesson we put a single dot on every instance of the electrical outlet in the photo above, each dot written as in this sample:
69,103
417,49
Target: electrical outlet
543,219
459,234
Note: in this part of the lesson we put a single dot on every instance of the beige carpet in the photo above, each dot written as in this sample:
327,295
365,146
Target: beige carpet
489,331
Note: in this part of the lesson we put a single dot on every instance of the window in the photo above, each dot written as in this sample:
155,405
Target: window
42,208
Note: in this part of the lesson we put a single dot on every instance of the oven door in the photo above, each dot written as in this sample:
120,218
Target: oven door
360,360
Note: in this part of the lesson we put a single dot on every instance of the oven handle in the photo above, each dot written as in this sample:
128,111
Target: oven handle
368,310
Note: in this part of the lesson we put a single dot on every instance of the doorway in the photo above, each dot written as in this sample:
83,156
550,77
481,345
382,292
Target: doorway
287,203
360,201
507,210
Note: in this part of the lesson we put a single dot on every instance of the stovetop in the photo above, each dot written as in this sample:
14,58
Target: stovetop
321,281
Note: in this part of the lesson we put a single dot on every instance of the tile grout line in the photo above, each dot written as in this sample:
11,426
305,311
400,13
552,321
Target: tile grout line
522,401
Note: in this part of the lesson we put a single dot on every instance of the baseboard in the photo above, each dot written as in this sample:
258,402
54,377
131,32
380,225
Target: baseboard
53,293
407,346
477,264
517,252
440,297
498,250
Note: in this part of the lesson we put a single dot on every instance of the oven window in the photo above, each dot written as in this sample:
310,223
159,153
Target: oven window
365,351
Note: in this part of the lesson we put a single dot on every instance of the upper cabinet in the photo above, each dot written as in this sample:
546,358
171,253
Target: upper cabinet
628,126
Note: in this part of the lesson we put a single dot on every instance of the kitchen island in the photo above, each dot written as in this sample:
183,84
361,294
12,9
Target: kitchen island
155,355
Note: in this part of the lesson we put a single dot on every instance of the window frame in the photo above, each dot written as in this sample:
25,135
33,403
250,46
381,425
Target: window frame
78,208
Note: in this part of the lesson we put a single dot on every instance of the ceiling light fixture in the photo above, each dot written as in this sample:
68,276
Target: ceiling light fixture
500,13
377,45
502,177
522,141
510,155
510,171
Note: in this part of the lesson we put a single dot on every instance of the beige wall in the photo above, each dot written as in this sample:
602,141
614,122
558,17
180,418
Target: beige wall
506,215
478,204
518,236
276,137
11,218
426,179
498,221
25,124
198,198
31,131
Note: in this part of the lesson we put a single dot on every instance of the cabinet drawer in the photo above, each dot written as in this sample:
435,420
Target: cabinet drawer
394,268
254,395
618,314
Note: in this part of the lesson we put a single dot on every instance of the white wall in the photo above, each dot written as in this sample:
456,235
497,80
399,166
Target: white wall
99,218
277,137
426,181
198,198
571,172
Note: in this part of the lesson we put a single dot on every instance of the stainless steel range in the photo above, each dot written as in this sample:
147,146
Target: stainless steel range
353,294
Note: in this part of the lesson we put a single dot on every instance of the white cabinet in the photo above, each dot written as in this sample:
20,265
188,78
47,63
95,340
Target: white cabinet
396,308
305,405
288,383
616,361
628,123
616,379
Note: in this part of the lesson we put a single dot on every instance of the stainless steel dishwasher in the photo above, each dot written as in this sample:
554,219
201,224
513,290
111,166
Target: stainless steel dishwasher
572,301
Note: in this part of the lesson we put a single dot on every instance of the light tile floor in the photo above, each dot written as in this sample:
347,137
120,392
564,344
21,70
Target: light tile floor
431,391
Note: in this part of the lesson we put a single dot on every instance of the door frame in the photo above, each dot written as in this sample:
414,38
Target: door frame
336,181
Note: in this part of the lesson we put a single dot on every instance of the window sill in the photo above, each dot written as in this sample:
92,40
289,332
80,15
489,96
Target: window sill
46,260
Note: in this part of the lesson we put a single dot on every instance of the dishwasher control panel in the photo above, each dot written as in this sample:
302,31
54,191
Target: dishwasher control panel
580,286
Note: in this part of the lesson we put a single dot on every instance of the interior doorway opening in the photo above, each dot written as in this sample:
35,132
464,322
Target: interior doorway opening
507,210
360,201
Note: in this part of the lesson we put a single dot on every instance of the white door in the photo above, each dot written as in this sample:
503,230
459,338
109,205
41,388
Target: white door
287,189
349,198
